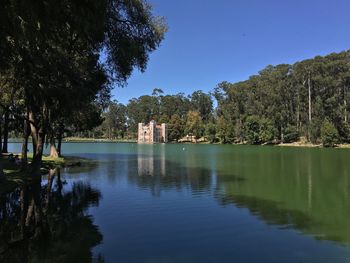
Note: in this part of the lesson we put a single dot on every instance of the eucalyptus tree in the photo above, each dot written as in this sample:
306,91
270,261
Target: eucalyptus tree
176,128
194,124
177,104
202,103
54,47
142,110
115,119
295,99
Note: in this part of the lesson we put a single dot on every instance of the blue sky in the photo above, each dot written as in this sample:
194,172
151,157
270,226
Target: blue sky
210,41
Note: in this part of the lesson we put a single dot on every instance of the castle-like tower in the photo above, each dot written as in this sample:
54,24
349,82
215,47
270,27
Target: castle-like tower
152,133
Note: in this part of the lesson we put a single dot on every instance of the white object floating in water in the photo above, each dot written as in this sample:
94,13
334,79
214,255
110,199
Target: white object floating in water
183,148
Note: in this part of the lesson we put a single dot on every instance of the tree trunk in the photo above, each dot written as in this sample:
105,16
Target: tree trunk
36,162
26,133
33,131
6,131
309,88
59,142
53,150
0,133
38,137
345,106
282,134
1,169
298,110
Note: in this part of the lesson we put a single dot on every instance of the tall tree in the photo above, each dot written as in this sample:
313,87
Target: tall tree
54,49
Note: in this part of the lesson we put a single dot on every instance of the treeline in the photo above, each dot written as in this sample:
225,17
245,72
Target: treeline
285,102
281,104
183,114
59,60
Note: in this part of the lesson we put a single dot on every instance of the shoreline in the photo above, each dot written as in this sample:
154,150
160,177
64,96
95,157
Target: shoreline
102,140
14,177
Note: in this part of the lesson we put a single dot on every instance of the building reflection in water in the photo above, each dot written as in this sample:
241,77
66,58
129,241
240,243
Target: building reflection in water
149,162
157,173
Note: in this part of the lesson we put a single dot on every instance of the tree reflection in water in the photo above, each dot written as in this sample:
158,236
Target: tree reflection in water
45,221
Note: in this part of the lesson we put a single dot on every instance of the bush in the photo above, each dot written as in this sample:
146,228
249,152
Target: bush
252,129
291,134
267,131
210,132
314,131
344,131
225,130
329,134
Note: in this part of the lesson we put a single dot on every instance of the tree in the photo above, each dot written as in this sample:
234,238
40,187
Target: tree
329,134
202,103
252,130
225,130
176,128
142,110
302,95
54,50
291,134
210,132
194,125
115,118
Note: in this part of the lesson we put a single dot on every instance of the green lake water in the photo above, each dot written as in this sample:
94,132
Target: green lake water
189,203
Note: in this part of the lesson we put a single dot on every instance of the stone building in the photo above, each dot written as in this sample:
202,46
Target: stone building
152,133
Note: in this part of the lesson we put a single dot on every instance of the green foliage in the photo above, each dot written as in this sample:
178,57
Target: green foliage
194,124
225,130
210,132
267,131
315,130
252,130
344,131
114,124
301,95
329,134
176,128
259,130
51,74
291,134
202,103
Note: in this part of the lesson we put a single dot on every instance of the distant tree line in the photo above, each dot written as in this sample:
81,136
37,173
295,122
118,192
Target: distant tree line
185,115
281,104
285,102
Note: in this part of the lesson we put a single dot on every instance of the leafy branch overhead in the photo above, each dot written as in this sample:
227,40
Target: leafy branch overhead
61,57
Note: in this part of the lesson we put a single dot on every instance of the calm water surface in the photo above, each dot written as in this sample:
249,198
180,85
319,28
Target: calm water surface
193,203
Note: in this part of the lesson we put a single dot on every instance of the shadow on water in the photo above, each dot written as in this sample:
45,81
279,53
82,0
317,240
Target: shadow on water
45,220
304,189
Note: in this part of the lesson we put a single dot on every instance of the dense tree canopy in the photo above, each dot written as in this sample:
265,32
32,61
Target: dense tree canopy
58,58
289,99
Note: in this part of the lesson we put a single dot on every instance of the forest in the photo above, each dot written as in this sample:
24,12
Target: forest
281,104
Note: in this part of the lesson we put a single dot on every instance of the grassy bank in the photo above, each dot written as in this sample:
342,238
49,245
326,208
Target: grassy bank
80,139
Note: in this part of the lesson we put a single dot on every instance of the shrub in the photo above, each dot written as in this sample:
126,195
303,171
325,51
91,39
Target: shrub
291,134
314,131
252,129
210,132
267,131
329,134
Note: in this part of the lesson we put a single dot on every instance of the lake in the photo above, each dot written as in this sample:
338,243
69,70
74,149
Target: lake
188,203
